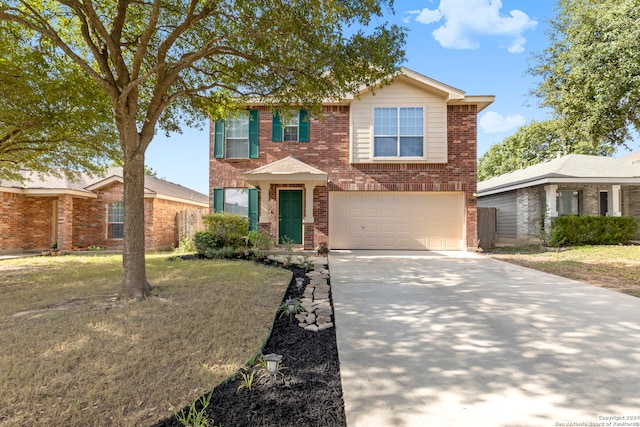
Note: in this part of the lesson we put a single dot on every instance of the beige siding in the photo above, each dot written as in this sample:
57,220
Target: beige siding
399,94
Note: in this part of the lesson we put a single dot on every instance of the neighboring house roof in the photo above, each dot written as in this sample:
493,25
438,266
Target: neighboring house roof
85,185
573,168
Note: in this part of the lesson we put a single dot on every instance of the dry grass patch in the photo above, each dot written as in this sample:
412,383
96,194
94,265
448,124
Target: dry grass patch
72,355
613,267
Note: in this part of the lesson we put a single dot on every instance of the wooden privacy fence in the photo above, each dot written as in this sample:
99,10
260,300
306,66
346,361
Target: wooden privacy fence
188,223
487,227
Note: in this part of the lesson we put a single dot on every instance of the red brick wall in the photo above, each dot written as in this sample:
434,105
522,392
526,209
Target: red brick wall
329,151
89,222
25,222
160,217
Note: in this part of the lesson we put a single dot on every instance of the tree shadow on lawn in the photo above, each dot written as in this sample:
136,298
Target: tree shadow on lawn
309,394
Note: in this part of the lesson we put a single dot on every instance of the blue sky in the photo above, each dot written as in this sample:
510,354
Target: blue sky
482,47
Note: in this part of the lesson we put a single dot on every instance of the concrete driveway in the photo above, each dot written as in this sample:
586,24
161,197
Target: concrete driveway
457,339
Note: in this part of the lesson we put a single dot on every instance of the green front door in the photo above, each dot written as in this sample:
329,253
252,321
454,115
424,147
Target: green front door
290,211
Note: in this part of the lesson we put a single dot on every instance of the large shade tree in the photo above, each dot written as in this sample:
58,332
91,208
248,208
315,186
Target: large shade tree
167,62
53,116
535,143
590,72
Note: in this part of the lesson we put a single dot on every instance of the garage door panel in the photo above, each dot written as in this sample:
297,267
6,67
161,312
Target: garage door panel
395,220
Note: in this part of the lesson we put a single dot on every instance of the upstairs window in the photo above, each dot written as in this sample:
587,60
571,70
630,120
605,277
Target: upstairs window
398,132
292,126
115,220
237,137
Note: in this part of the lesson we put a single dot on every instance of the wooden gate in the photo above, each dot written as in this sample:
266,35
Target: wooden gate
487,227
188,223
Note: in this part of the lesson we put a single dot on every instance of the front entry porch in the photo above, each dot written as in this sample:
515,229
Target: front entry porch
286,194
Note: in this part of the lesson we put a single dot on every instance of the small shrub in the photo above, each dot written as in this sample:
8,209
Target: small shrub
233,225
186,245
194,417
288,243
592,230
258,241
224,235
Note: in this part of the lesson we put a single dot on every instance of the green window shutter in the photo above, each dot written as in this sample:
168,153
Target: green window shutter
276,128
303,124
218,139
253,209
254,126
218,200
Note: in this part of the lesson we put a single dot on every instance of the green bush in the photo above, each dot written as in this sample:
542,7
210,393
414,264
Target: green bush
258,241
592,230
224,234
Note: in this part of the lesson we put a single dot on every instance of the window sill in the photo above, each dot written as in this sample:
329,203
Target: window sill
399,160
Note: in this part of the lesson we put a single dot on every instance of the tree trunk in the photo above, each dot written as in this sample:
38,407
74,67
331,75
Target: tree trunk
134,279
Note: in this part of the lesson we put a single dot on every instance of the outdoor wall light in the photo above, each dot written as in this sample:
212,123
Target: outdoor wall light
299,282
273,363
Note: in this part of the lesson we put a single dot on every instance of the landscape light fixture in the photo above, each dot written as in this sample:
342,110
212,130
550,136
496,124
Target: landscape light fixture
291,306
299,282
273,362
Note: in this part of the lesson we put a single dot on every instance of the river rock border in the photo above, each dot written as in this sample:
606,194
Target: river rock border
316,302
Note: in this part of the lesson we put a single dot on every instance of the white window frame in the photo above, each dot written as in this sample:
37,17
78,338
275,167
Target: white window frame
115,218
243,119
291,120
398,133
575,195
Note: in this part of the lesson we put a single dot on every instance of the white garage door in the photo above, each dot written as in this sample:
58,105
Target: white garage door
396,220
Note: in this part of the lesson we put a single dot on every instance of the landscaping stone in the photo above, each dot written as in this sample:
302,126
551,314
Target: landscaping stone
316,302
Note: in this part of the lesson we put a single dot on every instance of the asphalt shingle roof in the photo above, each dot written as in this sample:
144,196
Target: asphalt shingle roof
81,182
578,166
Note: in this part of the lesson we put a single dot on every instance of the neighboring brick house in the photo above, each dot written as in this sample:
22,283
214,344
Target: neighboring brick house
575,184
389,169
87,210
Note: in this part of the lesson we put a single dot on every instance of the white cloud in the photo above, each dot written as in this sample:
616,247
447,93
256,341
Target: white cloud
468,21
428,16
492,122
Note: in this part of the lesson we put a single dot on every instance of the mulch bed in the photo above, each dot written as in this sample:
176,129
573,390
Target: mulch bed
309,394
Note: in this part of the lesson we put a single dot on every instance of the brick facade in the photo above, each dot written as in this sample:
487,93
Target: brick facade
328,150
27,222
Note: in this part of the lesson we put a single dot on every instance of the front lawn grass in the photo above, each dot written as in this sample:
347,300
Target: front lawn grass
71,354
613,267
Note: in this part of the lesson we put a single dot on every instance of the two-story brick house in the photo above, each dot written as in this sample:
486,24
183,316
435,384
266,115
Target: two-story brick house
393,168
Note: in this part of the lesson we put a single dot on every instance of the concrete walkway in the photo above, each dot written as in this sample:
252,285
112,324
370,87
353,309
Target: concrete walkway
456,339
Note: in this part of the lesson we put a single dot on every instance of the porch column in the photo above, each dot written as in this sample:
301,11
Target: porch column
614,207
264,202
308,203
65,221
308,222
552,208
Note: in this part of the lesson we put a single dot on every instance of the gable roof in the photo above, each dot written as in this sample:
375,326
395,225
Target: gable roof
573,168
452,95
285,170
86,184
